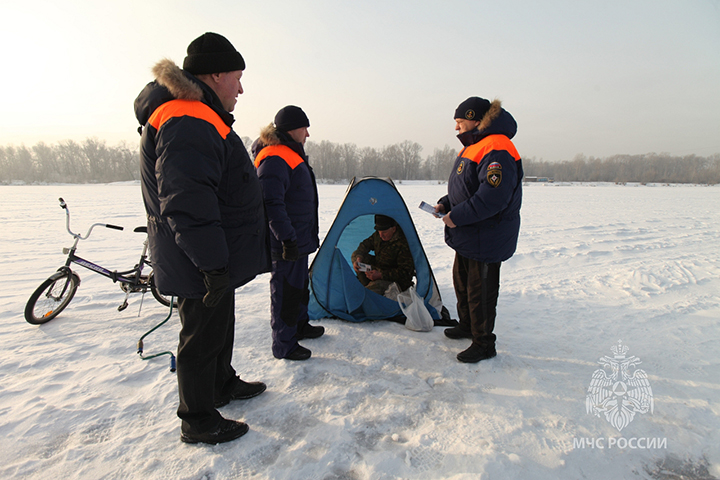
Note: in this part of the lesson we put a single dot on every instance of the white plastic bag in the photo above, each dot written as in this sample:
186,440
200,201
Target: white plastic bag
392,292
418,317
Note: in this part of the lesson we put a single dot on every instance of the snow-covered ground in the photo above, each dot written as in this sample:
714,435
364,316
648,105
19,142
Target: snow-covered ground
596,264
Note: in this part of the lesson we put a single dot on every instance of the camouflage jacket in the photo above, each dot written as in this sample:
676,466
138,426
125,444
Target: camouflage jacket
392,258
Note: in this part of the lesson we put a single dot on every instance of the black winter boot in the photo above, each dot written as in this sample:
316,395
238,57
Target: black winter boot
300,353
310,331
457,332
476,352
242,391
225,431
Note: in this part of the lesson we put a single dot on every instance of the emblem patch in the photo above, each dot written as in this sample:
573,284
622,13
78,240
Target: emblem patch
470,114
460,167
494,174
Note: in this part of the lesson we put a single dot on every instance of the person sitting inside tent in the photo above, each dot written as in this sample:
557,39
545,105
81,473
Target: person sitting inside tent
392,260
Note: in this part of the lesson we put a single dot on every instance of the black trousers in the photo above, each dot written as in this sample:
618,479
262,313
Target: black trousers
477,286
203,360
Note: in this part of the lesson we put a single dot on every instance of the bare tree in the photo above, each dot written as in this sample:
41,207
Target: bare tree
440,163
370,162
348,156
409,158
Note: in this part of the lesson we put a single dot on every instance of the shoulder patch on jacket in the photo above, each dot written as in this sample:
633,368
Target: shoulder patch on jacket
494,174
188,108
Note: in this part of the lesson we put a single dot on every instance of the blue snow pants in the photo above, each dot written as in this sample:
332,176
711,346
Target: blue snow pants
289,296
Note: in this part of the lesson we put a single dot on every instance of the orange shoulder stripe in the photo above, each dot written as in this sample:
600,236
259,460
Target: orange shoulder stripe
282,151
477,151
188,108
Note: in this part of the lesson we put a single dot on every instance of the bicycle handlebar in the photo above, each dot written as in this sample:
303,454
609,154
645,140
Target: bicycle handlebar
77,236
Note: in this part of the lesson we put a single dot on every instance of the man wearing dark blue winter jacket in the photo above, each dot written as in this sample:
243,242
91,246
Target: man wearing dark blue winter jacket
482,220
206,223
291,201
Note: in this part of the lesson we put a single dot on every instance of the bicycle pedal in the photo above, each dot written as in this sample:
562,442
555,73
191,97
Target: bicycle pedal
122,307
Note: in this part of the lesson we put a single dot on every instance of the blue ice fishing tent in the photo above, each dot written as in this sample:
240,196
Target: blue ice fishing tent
334,288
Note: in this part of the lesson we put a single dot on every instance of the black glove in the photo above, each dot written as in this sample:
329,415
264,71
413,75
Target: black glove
290,250
216,282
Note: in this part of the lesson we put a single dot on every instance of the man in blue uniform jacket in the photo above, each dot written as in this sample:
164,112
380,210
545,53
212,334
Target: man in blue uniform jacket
291,201
482,220
206,223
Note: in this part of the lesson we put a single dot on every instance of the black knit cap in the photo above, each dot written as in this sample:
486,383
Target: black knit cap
290,118
212,53
474,108
383,222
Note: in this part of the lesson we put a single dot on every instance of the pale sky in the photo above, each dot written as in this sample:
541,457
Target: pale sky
595,78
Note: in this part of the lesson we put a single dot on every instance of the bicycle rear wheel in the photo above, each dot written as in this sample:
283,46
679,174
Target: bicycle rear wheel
51,297
156,293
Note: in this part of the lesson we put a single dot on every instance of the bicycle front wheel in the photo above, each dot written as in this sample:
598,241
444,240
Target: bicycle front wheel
51,297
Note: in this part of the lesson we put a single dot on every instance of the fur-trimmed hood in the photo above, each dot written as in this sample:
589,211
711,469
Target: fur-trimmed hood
173,83
492,114
176,81
269,136
496,121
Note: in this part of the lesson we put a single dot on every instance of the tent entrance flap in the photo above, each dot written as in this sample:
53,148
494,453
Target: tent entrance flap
353,297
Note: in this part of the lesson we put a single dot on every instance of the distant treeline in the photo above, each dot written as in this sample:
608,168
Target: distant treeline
648,168
401,161
93,161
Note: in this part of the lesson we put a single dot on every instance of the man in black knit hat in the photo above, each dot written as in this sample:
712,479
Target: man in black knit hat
482,220
206,223
291,201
